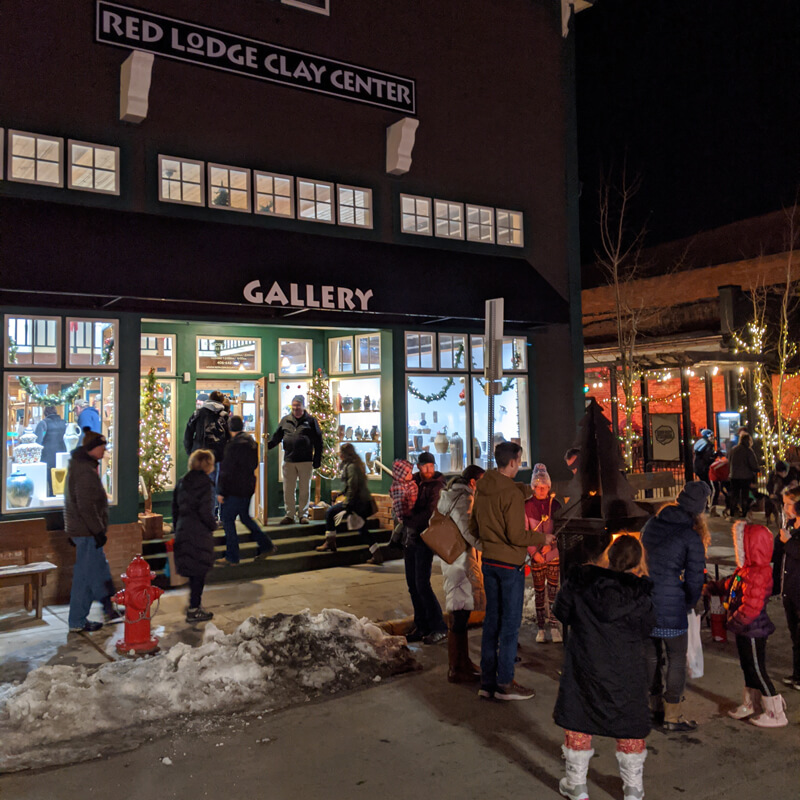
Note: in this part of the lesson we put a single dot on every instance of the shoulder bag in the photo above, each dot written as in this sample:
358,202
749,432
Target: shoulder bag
443,536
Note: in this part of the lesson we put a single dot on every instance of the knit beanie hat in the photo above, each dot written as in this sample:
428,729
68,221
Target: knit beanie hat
693,497
540,475
426,458
92,439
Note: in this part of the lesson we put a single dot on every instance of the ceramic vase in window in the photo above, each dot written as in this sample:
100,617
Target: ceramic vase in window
27,451
456,450
366,402
441,442
375,434
347,404
356,404
19,490
359,433
72,436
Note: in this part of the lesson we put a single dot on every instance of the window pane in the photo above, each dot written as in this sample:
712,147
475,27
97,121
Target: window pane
46,150
511,417
23,145
23,168
227,355
157,351
45,415
82,155
191,173
340,355
91,343
407,205
105,159
306,190
191,193
283,187
47,172
294,357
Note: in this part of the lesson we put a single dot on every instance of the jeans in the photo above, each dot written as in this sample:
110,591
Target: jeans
214,475
752,657
294,472
427,611
793,621
673,652
196,585
740,495
505,589
91,579
240,507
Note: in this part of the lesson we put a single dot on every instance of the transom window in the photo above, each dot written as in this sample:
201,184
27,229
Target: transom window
32,341
340,355
294,356
93,167
453,351
157,352
449,219
315,200
415,214
181,181
33,158
419,351
274,195
368,348
509,227
355,206
228,354
229,187
91,342
480,224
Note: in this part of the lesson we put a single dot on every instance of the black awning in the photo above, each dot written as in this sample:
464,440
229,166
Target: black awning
165,264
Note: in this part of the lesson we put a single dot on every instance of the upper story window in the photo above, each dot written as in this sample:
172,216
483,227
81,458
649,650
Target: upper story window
274,195
229,187
315,200
355,206
415,214
420,351
317,6
33,158
480,224
509,227
340,355
32,341
295,356
158,353
91,342
449,219
93,167
181,181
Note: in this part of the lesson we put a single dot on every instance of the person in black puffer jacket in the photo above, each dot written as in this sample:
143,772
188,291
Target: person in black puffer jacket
674,543
194,524
603,688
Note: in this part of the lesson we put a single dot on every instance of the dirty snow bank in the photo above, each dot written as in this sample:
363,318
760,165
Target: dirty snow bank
267,663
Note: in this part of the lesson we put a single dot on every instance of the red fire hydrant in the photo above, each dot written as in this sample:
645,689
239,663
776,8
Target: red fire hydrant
137,596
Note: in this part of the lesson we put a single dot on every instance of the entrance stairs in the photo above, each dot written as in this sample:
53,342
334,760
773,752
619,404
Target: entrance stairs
296,551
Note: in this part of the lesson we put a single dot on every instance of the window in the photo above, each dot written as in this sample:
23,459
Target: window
340,355
32,341
415,215
274,194
419,351
449,219
480,224
515,354
509,227
91,342
157,352
181,181
510,418
229,187
45,413
227,355
35,159
355,206
368,347
93,167
315,200
453,351
317,6
294,356
476,343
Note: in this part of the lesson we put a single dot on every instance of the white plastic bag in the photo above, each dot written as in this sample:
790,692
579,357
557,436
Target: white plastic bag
694,650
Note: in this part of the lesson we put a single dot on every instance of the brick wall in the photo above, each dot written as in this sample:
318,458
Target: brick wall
384,515
124,542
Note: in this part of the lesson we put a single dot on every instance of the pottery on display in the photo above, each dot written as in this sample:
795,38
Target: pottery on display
347,404
27,451
72,436
19,490
58,476
456,450
356,404
366,402
340,432
359,433
417,442
375,434
441,442
348,434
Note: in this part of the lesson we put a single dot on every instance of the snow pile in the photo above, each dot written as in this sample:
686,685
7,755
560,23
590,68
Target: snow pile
267,663
529,605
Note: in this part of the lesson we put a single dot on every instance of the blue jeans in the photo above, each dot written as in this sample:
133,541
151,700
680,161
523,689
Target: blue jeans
427,611
240,507
505,589
214,475
91,580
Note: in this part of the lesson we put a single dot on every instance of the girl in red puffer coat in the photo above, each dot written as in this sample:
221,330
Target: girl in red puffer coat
746,594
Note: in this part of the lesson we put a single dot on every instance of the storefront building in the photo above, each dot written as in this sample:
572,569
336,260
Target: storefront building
240,195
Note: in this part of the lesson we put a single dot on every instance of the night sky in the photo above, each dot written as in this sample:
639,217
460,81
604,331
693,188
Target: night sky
703,96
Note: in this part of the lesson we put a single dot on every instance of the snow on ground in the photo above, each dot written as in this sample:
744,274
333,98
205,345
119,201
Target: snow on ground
65,713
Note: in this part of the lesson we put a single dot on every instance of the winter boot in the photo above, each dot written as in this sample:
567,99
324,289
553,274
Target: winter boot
657,709
574,785
748,706
675,721
461,669
631,770
329,545
774,714
376,556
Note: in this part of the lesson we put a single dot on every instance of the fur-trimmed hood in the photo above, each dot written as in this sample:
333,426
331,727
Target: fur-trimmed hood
753,544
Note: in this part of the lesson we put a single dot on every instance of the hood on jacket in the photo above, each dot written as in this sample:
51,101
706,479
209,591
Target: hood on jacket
213,405
675,515
457,486
402,469
611,595
753,544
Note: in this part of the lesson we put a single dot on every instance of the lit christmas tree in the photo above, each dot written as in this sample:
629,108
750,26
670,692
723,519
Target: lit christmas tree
321,407
154,456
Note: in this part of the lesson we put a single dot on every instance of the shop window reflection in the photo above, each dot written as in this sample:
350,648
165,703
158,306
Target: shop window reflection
91,342
294,356
158,353
32,341
419,351
227,354
510,418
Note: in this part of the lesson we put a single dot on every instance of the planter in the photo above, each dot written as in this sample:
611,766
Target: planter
152,525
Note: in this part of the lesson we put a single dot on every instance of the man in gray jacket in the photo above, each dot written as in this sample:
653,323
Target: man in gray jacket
86,523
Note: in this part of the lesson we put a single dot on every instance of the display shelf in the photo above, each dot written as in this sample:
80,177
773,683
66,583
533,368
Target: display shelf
361,411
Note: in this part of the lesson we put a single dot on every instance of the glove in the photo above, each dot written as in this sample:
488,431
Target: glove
339,518
100,539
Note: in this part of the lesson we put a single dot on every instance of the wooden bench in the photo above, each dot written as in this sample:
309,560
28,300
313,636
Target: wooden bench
33,577
24,536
